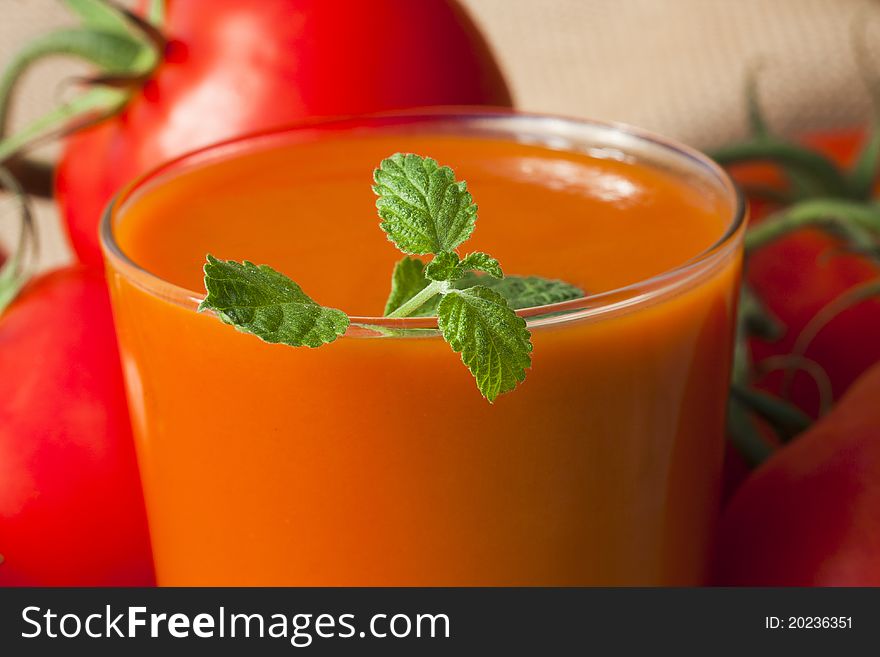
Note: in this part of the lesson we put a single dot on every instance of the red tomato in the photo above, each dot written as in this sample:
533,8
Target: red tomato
71,509
241,66
810,516
800,275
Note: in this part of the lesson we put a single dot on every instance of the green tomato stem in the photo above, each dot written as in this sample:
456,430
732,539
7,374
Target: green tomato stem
823,175
787,419
741,429
864,171
110,52
855,221
427,293
99,15
96,103
744,435
156,13
754,317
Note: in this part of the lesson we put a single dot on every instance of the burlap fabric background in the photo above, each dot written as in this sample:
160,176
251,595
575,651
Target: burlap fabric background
673,66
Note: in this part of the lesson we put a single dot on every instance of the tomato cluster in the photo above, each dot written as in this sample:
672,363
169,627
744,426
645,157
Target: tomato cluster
810,515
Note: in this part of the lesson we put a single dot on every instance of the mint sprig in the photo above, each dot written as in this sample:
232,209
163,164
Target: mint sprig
423,210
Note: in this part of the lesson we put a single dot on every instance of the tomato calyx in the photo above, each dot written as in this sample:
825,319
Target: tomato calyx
125,49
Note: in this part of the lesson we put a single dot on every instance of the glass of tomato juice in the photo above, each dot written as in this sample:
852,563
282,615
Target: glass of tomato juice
375,460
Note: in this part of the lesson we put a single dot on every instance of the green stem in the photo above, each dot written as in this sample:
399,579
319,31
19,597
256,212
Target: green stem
99,15
755,319
824,176
741,429
856,221
744,435
156,13
864,172
111,52
427,293
96,103
787,419
852,297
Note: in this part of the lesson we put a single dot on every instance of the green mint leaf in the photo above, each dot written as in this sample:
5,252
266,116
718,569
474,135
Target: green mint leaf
259,300
408,280
447,266
493,341
483,262
422,207
525,291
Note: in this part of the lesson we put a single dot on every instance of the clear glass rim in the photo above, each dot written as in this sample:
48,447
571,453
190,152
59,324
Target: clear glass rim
547,125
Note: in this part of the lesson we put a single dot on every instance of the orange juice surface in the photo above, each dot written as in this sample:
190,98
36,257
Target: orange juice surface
374,460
